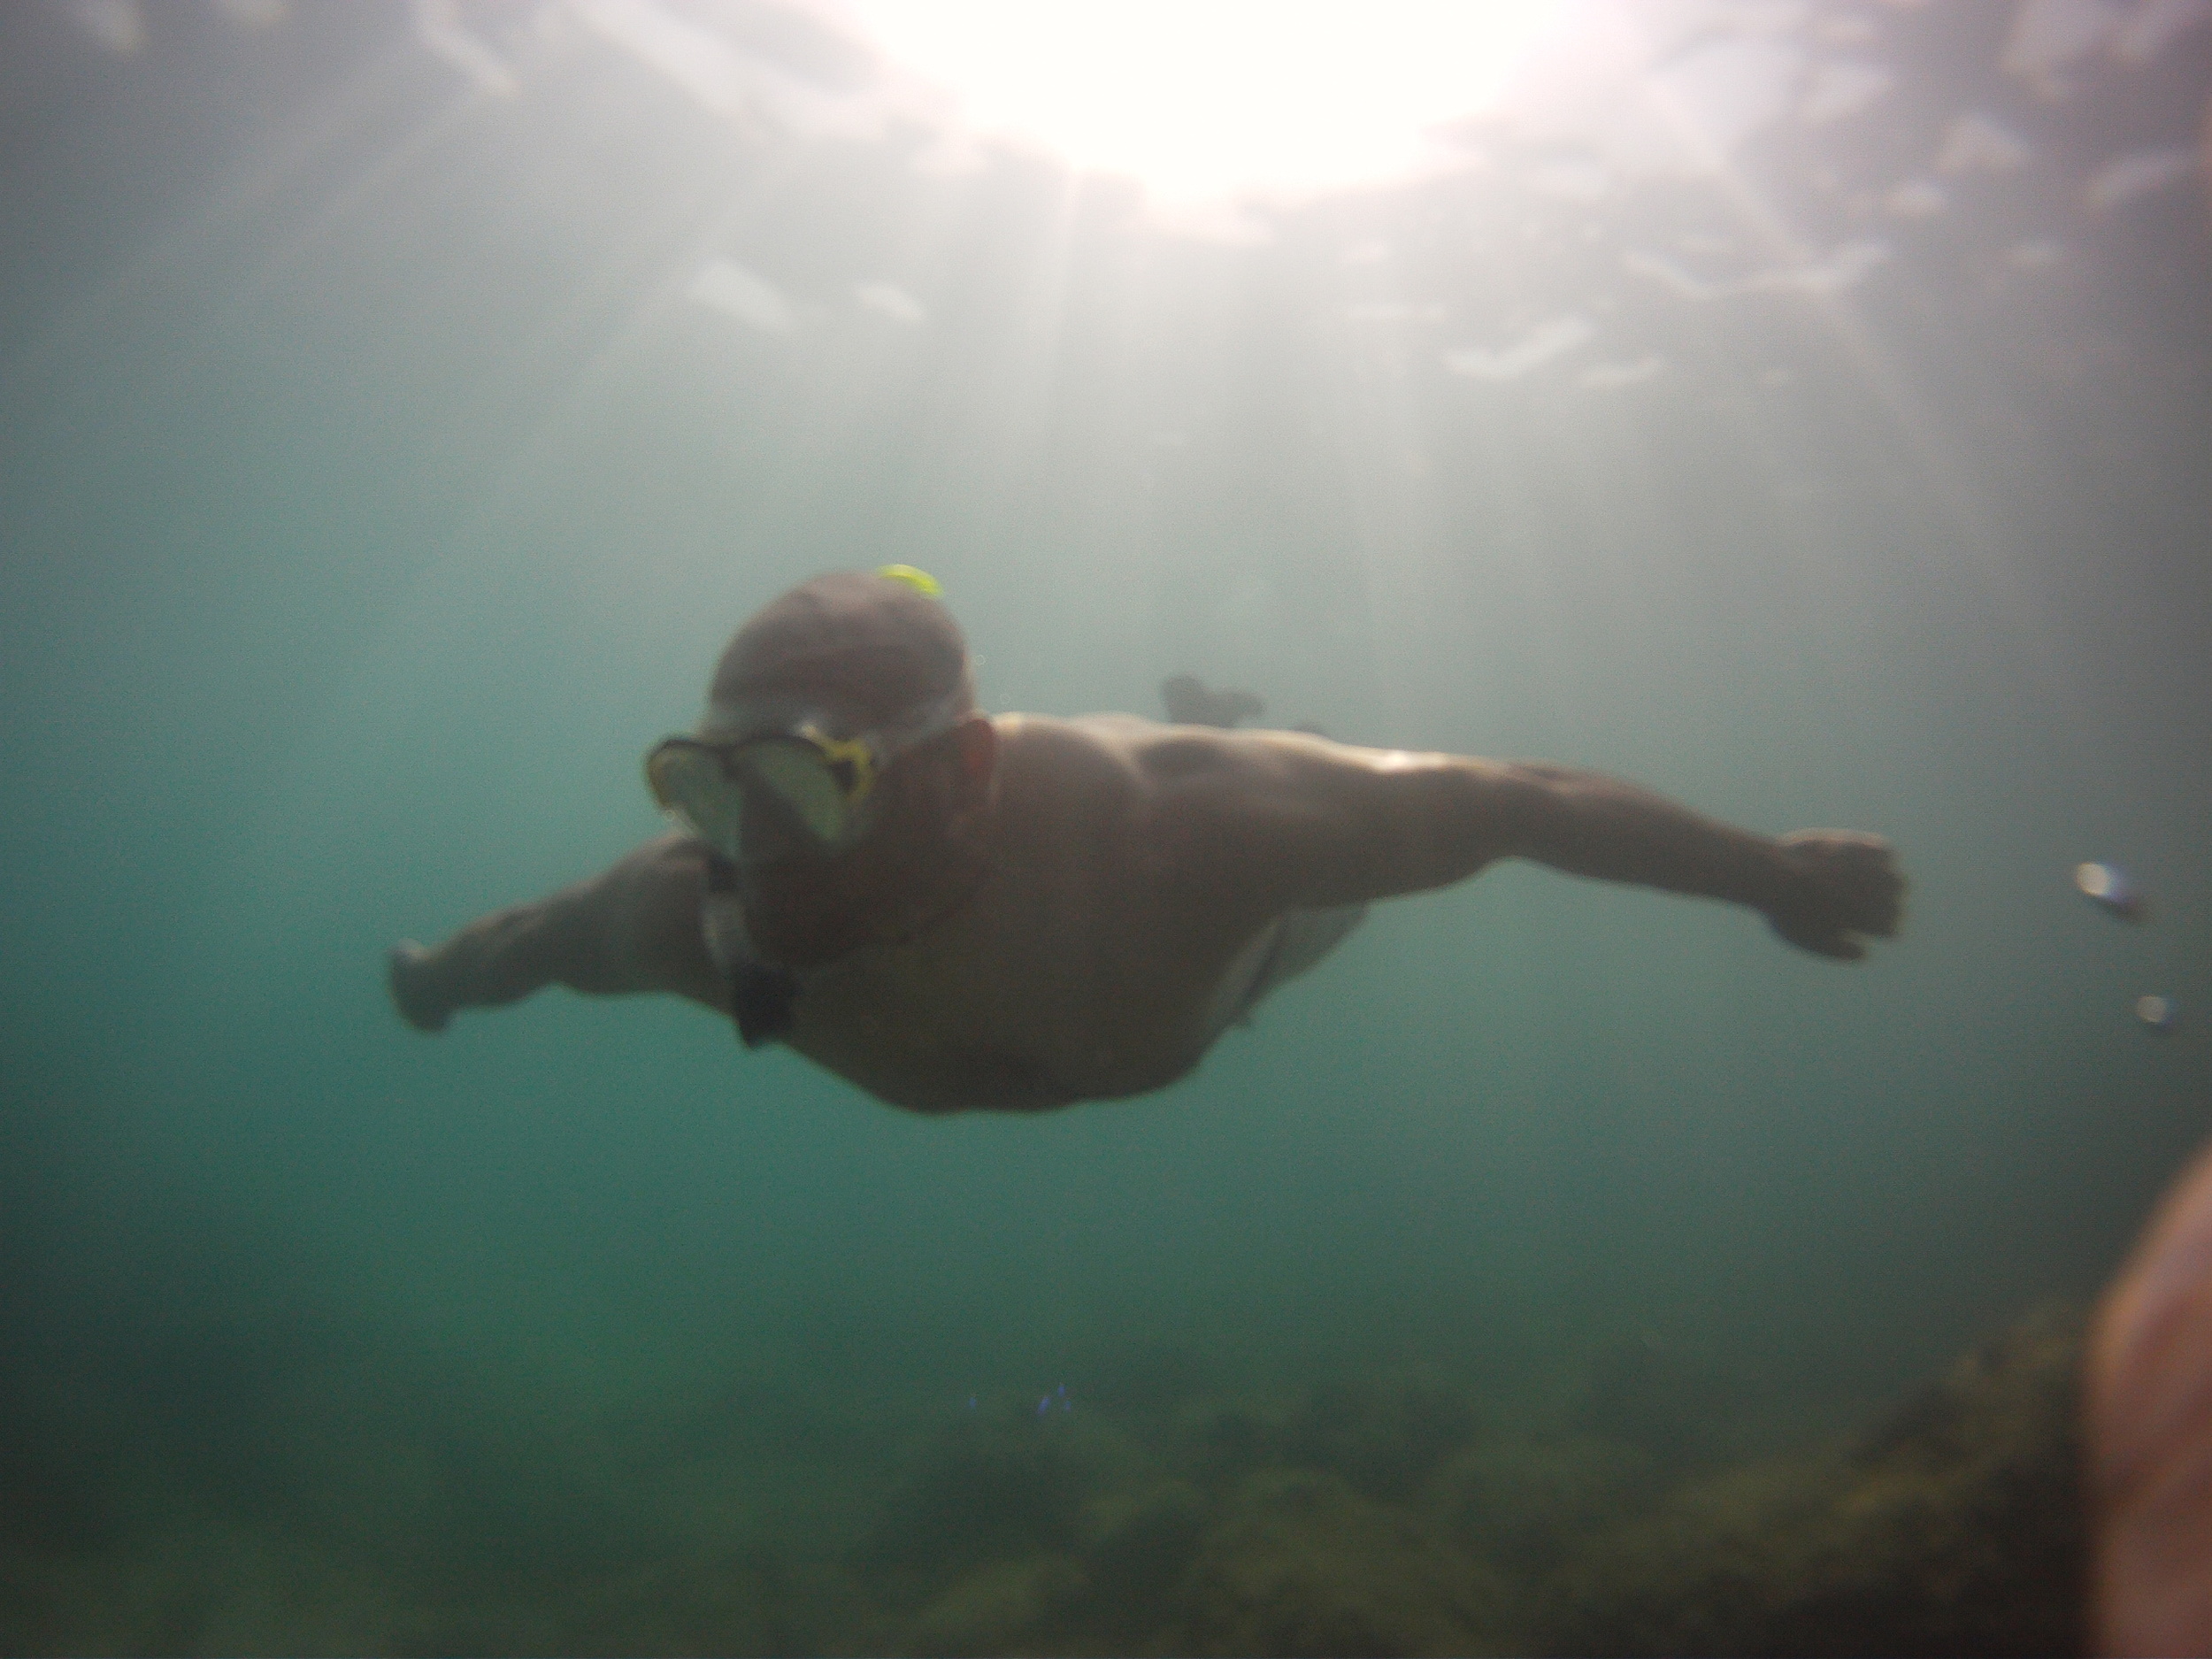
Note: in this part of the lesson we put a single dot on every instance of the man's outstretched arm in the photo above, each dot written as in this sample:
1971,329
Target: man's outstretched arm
633,927
1307,823
1824,891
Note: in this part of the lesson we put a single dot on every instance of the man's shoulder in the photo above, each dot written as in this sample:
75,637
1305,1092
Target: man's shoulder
1103,733
1141,751
1055,770
1121,768
1162,784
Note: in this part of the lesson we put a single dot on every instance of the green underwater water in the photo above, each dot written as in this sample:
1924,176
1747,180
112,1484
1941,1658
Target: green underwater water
375,488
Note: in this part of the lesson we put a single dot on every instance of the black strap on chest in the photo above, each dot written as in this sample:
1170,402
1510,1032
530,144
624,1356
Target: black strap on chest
761,993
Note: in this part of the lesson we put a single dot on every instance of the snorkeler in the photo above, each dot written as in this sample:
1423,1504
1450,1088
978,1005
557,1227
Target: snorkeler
954,909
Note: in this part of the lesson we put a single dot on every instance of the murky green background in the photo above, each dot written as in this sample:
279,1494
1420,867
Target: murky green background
379,478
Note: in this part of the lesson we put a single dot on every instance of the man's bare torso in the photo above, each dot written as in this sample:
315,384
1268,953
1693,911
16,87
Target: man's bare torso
1085,966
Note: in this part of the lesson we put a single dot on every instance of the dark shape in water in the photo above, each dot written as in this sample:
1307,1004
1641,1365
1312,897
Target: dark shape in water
2107,887
1190,704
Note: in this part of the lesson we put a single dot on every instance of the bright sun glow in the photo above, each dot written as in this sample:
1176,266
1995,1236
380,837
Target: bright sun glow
1202,98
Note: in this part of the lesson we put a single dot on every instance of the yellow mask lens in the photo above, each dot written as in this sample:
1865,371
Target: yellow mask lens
692,782
749,800
804,779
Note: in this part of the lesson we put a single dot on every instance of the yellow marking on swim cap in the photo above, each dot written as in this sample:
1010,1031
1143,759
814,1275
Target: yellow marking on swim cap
920,580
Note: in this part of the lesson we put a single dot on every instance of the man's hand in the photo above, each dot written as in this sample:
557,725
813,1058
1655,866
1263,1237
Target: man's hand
1840,884
634,926
407,972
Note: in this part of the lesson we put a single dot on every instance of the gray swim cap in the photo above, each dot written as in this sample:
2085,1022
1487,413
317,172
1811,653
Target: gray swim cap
867,644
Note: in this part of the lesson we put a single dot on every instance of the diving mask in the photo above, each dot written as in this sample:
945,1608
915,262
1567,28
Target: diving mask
785,792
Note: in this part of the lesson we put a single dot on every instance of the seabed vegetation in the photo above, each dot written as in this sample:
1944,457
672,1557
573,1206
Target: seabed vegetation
1373,1515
